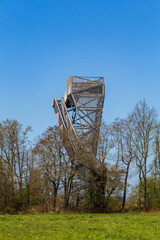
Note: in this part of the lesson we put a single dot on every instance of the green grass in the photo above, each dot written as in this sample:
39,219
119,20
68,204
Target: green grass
81,226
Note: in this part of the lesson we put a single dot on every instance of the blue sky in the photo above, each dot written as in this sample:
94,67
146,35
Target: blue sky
43,42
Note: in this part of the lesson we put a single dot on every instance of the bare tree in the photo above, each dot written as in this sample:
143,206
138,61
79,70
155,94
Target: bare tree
144,121
49,150
13,145
157,153
128,154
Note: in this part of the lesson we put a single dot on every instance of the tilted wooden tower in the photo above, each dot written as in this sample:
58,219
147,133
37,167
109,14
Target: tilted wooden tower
80,111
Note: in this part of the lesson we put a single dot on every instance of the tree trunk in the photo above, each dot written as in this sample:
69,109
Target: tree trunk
125,186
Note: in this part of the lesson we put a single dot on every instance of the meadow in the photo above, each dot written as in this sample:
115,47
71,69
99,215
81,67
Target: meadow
81,226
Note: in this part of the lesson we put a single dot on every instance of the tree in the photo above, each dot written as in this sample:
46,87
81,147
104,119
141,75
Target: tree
144,122
157,155
14,147
49,151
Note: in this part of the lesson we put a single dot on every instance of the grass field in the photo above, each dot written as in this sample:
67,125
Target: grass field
81,226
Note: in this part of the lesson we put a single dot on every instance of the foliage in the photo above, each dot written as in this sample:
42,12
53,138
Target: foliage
50,175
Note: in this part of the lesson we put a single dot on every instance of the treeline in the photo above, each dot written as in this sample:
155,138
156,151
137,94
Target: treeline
42,176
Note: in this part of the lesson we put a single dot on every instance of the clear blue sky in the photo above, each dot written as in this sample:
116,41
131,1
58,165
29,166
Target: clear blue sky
43,42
